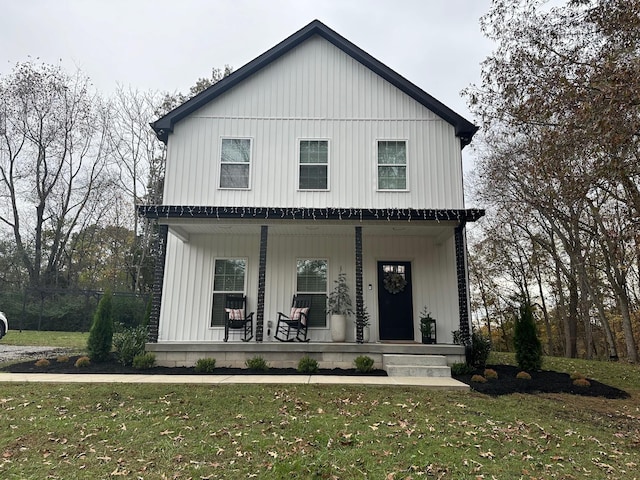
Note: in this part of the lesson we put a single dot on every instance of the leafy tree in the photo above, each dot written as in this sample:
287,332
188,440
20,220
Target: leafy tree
101,333
561,147
526,342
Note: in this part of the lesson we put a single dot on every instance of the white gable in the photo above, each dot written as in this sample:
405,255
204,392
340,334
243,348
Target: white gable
315,91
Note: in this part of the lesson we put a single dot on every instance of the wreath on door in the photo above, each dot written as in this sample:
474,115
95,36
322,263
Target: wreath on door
394,282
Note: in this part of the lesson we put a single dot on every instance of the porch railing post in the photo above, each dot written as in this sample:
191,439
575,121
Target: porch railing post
262,270
158,283
359,289
461,270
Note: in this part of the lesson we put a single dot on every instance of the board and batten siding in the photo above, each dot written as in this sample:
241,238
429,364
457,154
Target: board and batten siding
187,295
315,91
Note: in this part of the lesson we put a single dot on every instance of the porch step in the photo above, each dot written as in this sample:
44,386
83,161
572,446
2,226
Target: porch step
416,365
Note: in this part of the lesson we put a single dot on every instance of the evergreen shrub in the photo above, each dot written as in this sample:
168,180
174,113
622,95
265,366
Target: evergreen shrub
101,333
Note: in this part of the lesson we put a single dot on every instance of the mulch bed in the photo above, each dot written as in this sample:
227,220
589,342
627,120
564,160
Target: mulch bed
114,367
544,381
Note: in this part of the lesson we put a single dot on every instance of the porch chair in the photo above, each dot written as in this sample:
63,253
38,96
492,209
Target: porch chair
236,318
294,326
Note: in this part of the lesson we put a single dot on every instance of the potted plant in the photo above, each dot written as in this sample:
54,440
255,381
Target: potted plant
427,326
339,307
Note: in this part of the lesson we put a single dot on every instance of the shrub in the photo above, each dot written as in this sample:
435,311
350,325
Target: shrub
82,362
129,343
307,365
582,382
364,364
101,333
144,360
205,365
43,362
526,341
576,376
62,359
478,379
523,376
480,349
461,369
257,363
490,374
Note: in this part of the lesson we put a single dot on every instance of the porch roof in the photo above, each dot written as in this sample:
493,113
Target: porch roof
319,214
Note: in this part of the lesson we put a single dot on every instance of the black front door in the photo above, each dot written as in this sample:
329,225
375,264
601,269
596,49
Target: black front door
395,301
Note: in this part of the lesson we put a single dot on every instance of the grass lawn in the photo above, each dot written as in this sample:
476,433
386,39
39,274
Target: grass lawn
324,432
72,340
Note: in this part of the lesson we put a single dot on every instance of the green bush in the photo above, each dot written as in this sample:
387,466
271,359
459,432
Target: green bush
480,349
129,343
205,365
128,310
461,369
526,341
307,365
364,364
101,333
144,360
257,363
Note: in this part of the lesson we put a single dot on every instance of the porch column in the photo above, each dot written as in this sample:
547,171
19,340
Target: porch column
262,269
359,299
461,270
158,283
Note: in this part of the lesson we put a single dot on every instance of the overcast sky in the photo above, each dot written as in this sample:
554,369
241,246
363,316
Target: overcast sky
167,45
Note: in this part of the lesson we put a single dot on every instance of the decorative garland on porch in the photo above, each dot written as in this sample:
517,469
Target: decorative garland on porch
394,282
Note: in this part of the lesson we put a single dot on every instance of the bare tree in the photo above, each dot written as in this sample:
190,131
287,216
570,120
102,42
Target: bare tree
52,163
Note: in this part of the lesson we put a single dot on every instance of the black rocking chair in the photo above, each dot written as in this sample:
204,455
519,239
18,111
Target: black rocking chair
294,326
235,318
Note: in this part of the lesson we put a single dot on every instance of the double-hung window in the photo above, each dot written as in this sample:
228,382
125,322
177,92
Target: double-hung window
228,277
314,163
311,280
235,162
392,165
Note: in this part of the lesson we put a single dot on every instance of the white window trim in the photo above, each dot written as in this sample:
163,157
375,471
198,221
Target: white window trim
406,164
326,326
214,291
305,139
230,137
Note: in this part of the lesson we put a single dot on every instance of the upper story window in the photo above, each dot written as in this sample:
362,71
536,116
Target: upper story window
314,163
392,165
235,162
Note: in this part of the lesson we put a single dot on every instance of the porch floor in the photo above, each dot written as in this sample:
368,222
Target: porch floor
288,354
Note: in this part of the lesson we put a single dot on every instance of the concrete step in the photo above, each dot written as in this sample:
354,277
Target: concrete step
418,371
416,365
418,360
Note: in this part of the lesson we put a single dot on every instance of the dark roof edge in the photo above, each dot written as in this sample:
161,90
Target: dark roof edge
464,129
281,213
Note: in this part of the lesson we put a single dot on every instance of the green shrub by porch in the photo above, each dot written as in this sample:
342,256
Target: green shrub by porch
526,341
101,333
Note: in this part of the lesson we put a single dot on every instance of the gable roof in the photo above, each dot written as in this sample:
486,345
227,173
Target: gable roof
463,128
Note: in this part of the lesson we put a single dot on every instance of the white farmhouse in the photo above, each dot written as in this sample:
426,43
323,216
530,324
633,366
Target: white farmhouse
311,159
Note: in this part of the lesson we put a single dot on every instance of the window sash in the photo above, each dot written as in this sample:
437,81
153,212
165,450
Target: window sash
235,162
228,277
311,280
392,165
313,165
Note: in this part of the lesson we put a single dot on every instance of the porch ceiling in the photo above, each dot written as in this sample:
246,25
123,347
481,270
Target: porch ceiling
188,227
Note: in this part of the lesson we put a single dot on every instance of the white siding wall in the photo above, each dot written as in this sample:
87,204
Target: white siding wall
315,91
186,304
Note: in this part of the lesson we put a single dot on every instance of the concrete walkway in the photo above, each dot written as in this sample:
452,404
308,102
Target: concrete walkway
442,383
